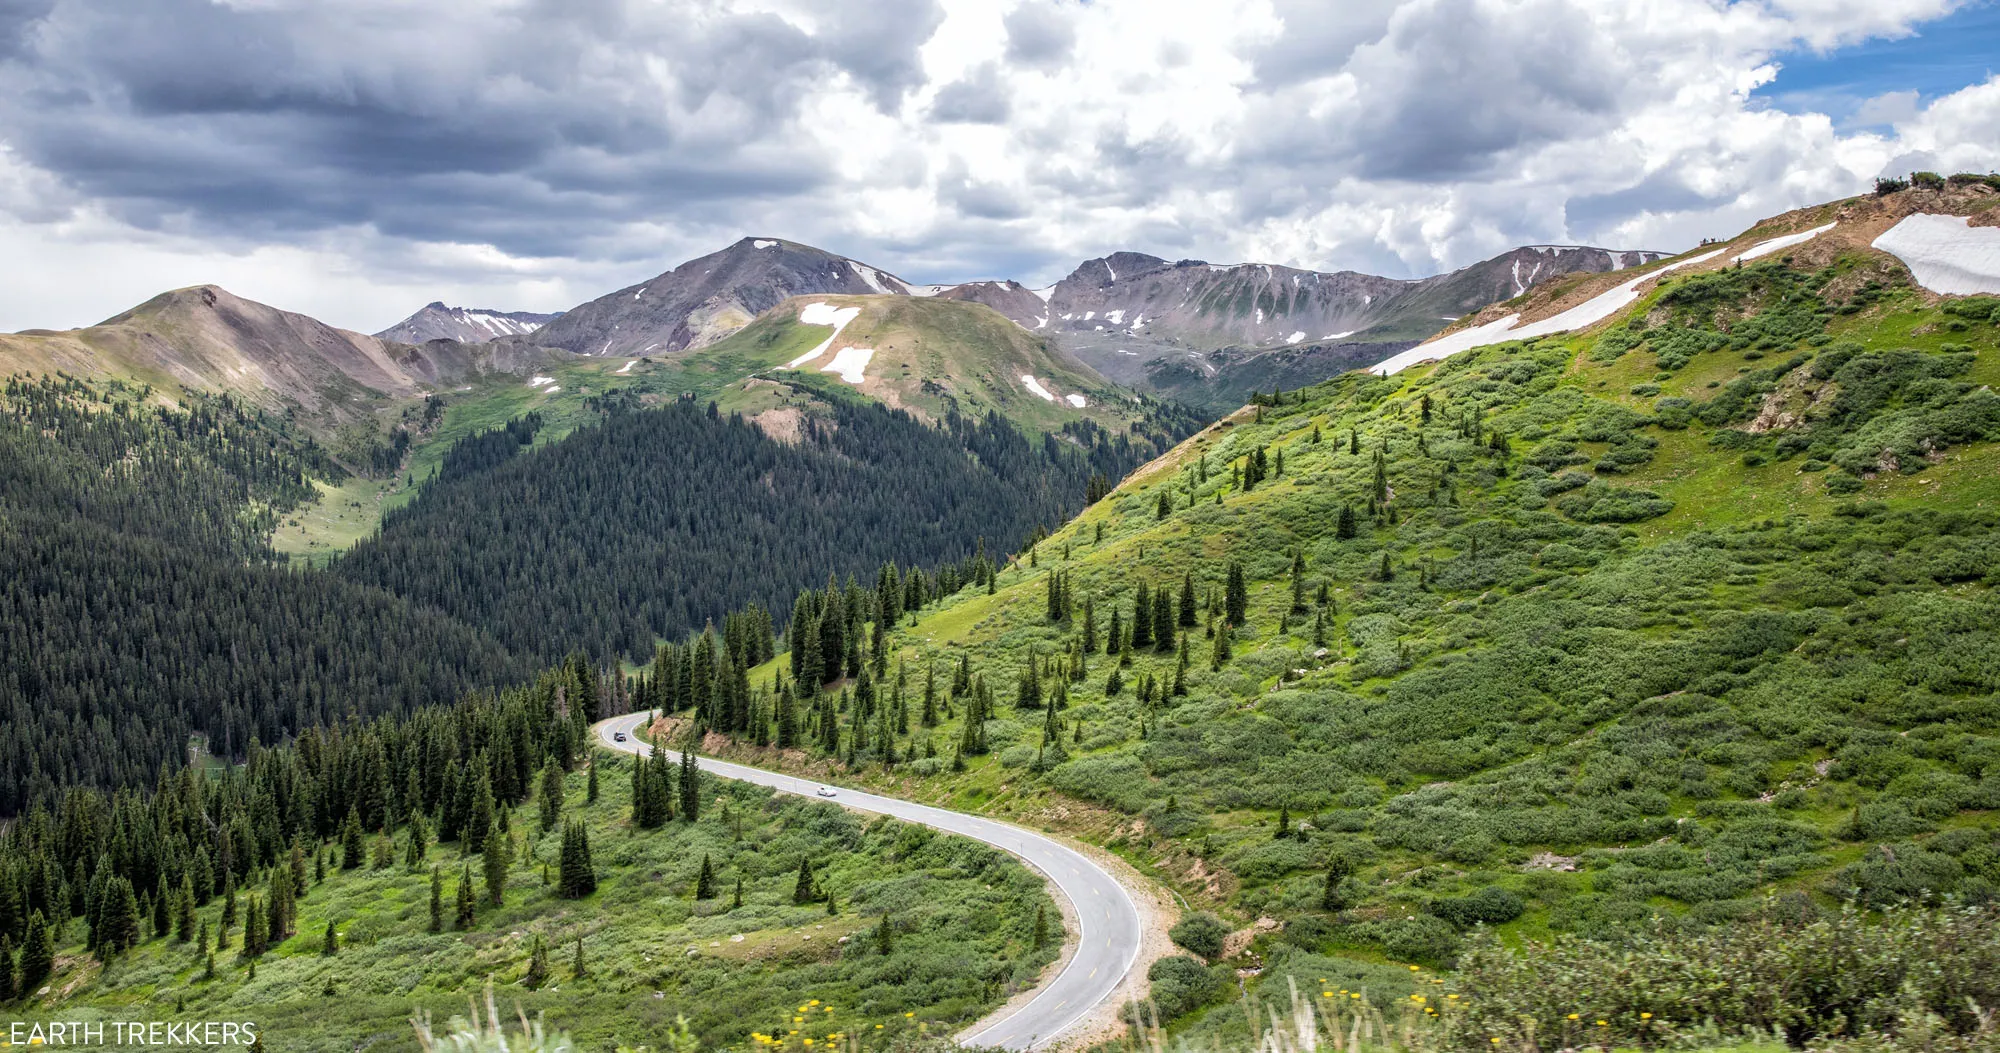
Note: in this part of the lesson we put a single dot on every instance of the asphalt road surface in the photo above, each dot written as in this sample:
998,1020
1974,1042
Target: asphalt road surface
1107,945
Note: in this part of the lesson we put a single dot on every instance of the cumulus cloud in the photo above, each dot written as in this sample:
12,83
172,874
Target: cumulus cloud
533,152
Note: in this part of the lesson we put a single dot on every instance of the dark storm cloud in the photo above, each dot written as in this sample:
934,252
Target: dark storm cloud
536,128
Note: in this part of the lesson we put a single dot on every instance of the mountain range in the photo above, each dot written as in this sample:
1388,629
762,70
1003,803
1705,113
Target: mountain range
471,325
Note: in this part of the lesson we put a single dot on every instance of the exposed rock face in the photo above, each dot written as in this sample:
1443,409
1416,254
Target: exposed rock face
703,300
471,325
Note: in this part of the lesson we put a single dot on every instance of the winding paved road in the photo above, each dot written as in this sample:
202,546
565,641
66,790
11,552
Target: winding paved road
1107,945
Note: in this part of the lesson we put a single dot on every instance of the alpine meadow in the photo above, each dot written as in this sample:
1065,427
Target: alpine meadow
1553,606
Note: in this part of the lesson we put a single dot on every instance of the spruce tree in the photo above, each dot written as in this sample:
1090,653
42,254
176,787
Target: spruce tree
495,859
590,783
885,940
704,883
738,900
538,966
577,968
690,786
466,912
330,945
9,981
1041,927
804,890
38,954
437,899
551,796
1332,896
256,939
1236,605
578,876
353,850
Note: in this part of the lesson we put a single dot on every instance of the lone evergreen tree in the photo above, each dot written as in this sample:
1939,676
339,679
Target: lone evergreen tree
590,784
538,966
495,859
1041,927
690,786
467,913
331,945
704,883
577,968
437,899
1332,896
885,940
551,796
1236,603
804,890
578,876
353,851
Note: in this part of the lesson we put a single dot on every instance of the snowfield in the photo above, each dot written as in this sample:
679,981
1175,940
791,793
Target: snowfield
1582,316
823,314
761,244
1036,387
627,367
1296,337
539,381
1076,400
1946,254
1765,248
850,362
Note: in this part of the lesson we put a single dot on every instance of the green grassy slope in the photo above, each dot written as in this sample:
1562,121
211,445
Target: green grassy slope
962,918
1712,622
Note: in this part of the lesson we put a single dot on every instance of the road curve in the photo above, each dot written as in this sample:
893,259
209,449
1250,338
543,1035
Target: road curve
1108,940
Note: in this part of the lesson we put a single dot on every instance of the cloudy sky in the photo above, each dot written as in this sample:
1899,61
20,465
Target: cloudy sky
354,159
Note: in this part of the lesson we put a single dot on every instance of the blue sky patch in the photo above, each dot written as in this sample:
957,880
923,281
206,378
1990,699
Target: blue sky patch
1877,82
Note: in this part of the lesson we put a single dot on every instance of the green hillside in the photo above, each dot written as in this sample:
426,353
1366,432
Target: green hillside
162,905
1652,621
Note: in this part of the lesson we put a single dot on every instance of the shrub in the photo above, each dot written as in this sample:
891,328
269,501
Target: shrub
1491,905
1182,984
1200,933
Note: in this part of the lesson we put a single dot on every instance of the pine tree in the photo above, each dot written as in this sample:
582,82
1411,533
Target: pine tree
256,939
9,982
330,945
690,786
38,954
538,966
416,842
353,850
466,913
1332,896
551,796
804,890
437,899
184,918
885,940
1142,617
1386,572
704,883
737,901
1041,927
1223,651
578,875
1237,602
1345,528
590,784
1284,823
577,968
495,858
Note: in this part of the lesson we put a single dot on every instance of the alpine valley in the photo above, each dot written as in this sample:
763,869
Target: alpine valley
1583,649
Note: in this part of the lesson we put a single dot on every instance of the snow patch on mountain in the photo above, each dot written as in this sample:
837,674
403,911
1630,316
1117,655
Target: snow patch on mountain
1036,387
1946,254
1076,400
817,313
1765,248
850,363
1583,315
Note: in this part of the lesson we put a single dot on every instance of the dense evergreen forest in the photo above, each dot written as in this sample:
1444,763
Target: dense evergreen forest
655,522
139,606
